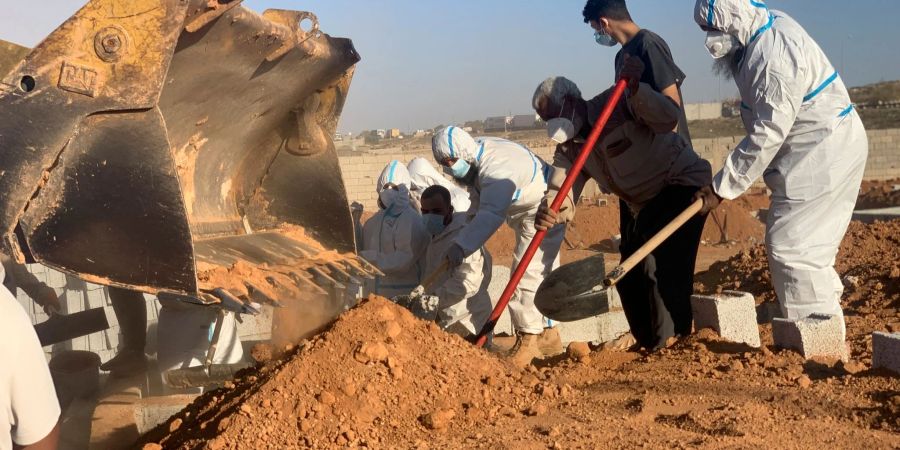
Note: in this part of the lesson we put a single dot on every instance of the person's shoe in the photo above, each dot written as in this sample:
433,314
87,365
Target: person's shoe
525,351
549,342
126,363
626,342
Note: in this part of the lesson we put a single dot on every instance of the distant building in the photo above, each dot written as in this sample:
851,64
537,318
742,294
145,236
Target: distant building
380,133
703,111
498,123
393,133
524,121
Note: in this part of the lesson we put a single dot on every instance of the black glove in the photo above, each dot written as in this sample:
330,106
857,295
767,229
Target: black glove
711,200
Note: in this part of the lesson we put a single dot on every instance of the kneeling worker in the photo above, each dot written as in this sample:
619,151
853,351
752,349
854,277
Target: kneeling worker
464,303
654,172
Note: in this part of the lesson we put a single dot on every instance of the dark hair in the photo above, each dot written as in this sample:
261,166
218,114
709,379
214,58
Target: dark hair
437,190
611,9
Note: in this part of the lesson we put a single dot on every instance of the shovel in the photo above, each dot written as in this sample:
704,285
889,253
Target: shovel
63,327
571,292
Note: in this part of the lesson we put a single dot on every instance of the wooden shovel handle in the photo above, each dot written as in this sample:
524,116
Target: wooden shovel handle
430,279
619,272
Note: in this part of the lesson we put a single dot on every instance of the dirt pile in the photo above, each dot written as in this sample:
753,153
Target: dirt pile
378,378
878,194
868,263
381,379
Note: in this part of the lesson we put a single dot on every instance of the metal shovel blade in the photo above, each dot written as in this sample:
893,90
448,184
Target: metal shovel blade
574,291
201,376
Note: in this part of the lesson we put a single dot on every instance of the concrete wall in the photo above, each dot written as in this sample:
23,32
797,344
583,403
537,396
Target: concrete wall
703,111
361,170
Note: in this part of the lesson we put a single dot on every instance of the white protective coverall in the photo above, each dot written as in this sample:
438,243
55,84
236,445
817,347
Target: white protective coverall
185,330
424,175
465,303
804,138
510,185
394,239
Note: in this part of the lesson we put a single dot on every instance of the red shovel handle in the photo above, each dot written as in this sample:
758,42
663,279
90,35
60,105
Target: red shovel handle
557,202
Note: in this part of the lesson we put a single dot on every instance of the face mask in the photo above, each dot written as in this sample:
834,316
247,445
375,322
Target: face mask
434,223
460,169
719,43
388,197
560,130
604,39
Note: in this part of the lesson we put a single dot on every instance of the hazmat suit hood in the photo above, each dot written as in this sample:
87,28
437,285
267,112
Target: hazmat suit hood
395,172
424,175
453,142
744,19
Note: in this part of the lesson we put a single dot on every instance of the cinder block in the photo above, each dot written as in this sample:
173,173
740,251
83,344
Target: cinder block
732,314
816,335
886,351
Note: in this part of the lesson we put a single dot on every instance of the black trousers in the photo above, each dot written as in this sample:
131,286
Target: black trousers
656,294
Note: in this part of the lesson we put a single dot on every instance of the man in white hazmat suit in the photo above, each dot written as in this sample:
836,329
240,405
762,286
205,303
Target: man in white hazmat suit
803,137
507,183
464,304
394,239
424,175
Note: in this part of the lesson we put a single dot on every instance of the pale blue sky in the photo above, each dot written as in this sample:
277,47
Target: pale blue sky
426,62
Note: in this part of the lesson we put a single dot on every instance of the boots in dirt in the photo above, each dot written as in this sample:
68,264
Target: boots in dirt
525,351
550,343
131,312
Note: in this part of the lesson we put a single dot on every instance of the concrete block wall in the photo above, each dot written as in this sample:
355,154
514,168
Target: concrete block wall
361,170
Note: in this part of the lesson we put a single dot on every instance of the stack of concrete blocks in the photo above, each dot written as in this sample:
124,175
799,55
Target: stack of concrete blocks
732,314
599,329
816,335
886,351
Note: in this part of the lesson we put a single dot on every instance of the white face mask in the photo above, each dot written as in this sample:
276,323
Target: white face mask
560,130
720,44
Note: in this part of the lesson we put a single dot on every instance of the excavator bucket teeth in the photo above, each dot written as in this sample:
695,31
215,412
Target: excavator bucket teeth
180,147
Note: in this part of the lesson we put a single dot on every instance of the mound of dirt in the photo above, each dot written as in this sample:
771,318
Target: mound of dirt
381,379
868,262
878,194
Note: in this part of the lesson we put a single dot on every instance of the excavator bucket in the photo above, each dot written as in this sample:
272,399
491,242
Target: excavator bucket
180,148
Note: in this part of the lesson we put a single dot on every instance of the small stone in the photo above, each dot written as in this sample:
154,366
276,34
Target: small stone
439,419
216,444
326,398
537,409
578,350
392,330
895,272
854,367
736,365
804,382
176,424
305,425
369,352
151,446
247,409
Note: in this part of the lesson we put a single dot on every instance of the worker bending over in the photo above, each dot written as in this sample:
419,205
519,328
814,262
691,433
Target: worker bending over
423,175
654,172
507,183
464,304
394,239
804,138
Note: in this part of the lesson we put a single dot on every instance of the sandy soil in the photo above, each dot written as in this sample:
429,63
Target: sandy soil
381,379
